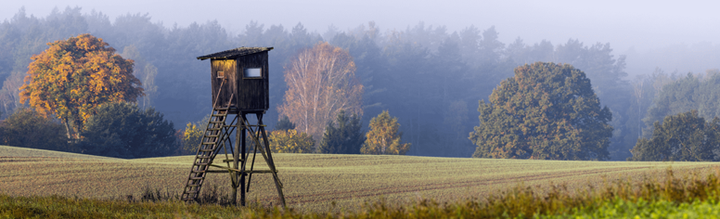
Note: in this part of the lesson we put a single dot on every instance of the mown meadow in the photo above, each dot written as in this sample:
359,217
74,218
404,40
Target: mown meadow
360,186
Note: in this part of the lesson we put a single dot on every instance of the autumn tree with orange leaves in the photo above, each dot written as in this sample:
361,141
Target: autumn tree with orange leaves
74,76
321,82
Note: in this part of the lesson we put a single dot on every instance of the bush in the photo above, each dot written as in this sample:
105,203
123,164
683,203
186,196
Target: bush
190,139
191,136
123,130
290,141
27,128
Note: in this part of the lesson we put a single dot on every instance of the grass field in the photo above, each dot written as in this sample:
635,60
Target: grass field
313,181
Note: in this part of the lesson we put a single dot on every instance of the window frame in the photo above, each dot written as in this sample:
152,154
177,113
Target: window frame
245,73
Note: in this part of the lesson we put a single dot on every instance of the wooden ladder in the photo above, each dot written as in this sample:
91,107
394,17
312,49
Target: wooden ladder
215,136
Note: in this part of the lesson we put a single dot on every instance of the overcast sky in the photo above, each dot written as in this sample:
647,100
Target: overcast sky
642,25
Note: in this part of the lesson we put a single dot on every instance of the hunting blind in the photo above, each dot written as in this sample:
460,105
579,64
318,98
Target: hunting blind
239,82
240,78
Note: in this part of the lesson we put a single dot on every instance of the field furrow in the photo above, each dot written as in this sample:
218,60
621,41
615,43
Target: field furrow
313,181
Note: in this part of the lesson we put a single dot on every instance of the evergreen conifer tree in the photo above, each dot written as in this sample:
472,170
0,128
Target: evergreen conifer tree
346,138
284,124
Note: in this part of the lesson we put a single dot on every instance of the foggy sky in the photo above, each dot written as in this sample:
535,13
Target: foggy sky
641,29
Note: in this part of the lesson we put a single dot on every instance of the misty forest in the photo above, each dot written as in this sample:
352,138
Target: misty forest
428,83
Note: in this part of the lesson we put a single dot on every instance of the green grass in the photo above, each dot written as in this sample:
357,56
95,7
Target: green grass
649,209
318,182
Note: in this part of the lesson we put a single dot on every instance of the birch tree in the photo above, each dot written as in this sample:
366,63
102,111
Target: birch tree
321,82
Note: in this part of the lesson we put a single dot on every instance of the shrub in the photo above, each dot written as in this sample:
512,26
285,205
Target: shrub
190,139
123,130
27,128
290,141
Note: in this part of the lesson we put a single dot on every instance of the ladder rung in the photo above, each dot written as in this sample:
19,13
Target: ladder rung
208,143
214,129
203,157
203,160
212,136
201,164
190,186
199,174
194,184
220,114
208,148
231,160
196,178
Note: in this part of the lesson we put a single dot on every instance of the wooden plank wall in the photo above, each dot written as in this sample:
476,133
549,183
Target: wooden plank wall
229,87
253,95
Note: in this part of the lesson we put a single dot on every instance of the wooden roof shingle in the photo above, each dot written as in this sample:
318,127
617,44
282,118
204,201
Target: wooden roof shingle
234,53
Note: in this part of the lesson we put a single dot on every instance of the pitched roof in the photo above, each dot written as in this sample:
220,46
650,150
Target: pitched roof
234,53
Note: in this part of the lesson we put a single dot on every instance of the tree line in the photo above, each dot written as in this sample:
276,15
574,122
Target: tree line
427,75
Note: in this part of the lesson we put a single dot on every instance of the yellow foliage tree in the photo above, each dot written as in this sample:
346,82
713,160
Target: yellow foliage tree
290,141
74,76
191,137
321,82
384,136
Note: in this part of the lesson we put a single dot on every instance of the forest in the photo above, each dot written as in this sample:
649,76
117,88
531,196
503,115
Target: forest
431,79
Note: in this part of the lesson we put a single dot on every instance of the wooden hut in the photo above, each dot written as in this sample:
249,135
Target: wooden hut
239,79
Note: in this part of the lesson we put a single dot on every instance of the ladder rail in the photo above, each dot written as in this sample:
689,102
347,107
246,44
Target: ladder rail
193,185
215,136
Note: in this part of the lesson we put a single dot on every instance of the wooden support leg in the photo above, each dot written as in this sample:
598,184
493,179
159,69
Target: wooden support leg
269,159
241,138
234,174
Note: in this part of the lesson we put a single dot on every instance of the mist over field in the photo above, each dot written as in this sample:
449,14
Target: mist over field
667,34
428,62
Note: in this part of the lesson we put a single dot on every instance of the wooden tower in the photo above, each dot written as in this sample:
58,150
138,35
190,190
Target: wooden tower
239,87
